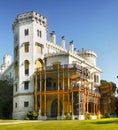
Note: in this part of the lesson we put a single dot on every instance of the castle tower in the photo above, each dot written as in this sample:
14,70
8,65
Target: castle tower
7,60
6,63
30,35
89,56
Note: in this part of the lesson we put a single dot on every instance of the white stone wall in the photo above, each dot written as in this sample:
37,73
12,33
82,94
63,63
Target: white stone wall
54,48
61,59
19,111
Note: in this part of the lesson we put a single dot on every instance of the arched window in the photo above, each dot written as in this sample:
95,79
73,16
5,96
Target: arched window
38,64
26,67
16,69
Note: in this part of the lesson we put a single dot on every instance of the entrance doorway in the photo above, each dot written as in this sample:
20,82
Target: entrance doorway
54,108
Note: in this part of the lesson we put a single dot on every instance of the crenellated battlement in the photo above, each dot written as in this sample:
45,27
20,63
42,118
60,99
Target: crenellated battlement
87,52
32,16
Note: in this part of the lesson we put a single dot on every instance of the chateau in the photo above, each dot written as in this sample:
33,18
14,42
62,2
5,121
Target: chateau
47,77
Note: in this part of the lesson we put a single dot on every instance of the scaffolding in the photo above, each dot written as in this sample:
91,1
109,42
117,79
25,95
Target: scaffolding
61,89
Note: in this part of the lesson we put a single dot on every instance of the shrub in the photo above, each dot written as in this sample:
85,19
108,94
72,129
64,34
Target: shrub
32,115
16,119
68,116
27,118
88,116
106,116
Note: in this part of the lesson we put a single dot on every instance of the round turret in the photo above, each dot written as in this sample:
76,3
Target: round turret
89,56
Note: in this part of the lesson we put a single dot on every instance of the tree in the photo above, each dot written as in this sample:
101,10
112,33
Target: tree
104,82
6,98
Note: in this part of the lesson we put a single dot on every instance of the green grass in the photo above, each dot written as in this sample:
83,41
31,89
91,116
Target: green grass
102,124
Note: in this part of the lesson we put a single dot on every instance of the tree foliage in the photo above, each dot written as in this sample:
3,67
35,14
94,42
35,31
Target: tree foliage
6,99
104,83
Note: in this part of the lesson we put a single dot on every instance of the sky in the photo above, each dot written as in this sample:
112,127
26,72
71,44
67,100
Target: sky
91,24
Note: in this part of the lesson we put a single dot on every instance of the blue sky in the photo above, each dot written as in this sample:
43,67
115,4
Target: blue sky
91,24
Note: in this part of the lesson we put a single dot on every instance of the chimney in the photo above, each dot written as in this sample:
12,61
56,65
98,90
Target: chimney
62,42
71,46
53,37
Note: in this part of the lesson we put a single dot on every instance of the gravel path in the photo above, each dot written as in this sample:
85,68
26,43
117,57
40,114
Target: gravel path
18,122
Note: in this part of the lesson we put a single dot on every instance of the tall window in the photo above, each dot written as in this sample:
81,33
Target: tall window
26,32
39,33
26,67
16,69
39,48
16,87
26,104
95,78
16,51
54,86
15,105
26,85
26,47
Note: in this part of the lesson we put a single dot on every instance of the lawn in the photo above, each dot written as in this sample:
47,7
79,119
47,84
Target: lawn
102,124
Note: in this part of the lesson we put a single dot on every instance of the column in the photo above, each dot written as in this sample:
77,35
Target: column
84,107
58,114
94,105
84,104
87,100
63,94
72,106
87,106
40,93
45,96
68,92
79,103
35,92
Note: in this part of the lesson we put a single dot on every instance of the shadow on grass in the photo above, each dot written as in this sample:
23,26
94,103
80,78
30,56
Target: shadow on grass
106,121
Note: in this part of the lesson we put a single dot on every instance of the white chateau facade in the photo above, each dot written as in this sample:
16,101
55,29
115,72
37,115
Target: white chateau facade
33,50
